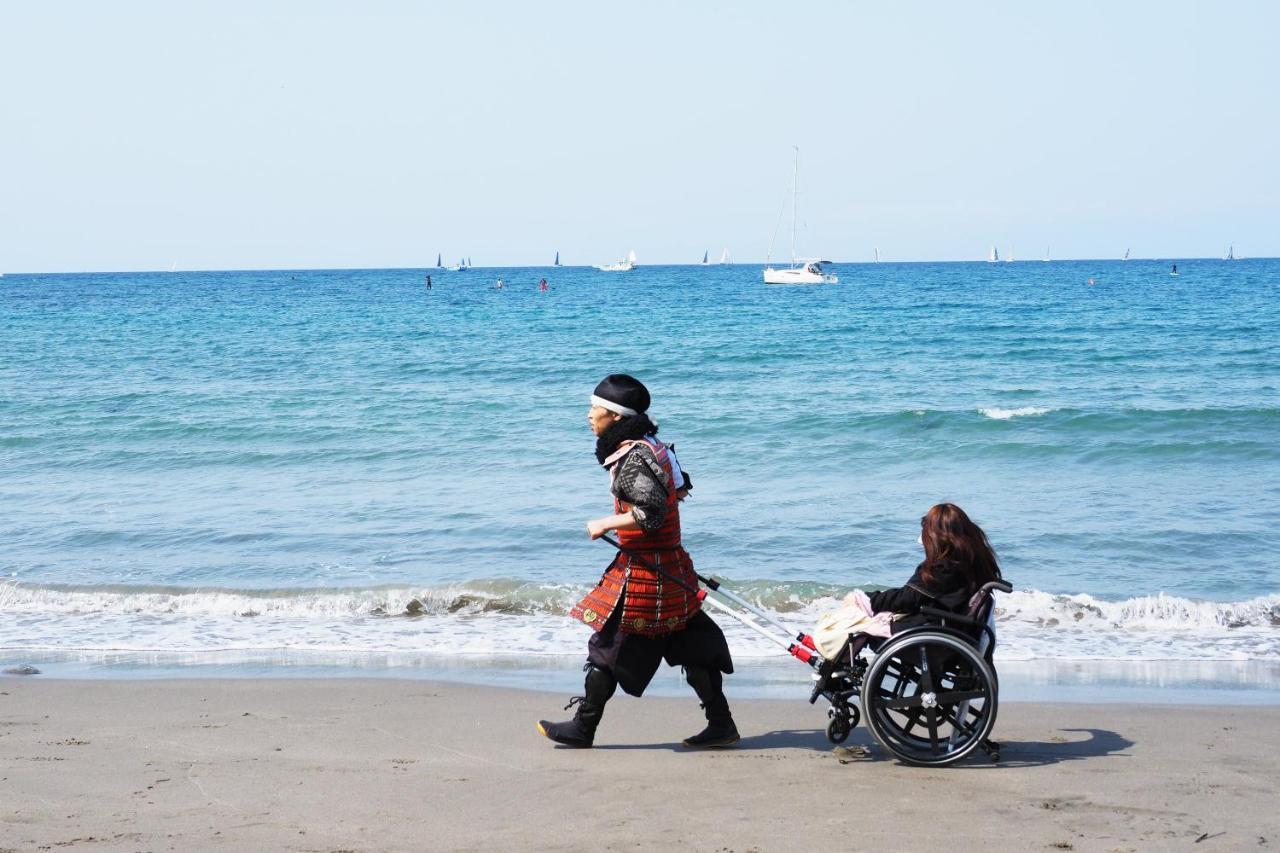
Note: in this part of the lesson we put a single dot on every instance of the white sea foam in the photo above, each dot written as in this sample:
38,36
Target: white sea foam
505,618
999,414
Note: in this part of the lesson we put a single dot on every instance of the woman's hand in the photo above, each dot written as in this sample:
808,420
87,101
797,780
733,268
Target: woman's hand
598,527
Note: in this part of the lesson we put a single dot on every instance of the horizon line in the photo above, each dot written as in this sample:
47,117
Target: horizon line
563,266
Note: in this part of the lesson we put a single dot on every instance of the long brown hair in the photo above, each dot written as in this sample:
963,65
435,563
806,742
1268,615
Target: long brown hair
951,536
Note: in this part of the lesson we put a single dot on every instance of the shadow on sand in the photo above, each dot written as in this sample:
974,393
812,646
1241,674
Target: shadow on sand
862,747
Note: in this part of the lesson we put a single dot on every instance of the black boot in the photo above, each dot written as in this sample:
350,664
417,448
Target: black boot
720,730
581,730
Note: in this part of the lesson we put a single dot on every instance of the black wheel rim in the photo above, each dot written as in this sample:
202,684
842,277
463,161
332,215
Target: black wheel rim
930,699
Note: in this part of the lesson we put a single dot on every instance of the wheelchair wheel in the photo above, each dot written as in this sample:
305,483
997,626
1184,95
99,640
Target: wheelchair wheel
843,721
929,698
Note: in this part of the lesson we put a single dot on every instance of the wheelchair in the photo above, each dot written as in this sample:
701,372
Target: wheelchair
928,694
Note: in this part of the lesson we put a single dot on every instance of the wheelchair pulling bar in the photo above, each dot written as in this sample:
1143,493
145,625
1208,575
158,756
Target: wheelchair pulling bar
802,648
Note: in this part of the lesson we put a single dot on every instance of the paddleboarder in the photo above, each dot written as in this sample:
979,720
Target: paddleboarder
640,618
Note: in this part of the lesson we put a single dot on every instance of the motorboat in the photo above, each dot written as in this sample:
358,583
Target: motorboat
627,264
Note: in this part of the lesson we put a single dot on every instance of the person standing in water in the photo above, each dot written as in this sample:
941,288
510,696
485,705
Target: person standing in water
428,282
542,285
640,618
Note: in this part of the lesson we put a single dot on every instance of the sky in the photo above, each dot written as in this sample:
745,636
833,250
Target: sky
259,135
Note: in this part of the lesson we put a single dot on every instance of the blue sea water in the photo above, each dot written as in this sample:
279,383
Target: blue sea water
218,465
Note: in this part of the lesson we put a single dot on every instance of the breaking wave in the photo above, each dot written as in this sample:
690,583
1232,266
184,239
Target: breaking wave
509,617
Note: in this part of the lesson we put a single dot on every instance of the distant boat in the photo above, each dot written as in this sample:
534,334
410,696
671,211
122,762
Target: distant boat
438,264
1231,254
1046,254
993,256
704,257
1009,259
461,266
724,258
877,254
557,261
1126,255
627,264
173,267
802,270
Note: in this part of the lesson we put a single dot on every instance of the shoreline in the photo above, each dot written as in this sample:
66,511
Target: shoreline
1247,683
371,764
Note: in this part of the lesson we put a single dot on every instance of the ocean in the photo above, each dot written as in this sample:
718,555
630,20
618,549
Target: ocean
341,471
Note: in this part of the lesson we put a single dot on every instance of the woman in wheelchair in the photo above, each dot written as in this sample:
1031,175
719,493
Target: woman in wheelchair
929,691
958,560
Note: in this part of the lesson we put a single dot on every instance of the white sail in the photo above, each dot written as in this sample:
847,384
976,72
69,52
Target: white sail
877,254
993,255
1126,255
724,257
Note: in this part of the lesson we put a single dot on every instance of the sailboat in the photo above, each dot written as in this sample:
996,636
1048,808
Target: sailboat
1231,254
993,256
438,264
557,261
461,266
1126,255
704,257
1009,259
802,270
627,264
877,254
724,257
1046,254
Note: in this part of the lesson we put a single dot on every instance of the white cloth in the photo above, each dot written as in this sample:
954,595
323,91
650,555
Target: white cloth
855,617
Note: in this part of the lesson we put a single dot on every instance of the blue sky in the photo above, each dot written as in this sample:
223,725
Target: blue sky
313,134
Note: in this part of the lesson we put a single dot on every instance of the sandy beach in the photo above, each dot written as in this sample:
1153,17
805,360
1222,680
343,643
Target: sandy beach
363,765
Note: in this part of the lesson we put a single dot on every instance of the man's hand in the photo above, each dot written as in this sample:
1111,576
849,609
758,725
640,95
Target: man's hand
598,527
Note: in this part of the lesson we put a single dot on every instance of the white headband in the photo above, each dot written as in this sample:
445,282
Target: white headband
612,406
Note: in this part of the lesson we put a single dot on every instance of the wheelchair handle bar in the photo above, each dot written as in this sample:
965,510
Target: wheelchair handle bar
803,648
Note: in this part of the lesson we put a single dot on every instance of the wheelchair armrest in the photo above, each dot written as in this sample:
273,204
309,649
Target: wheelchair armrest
998,586
948,616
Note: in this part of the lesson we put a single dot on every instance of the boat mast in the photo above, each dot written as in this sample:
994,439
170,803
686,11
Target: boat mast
795,192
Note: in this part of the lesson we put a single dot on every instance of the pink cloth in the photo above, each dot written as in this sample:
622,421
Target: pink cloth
854,617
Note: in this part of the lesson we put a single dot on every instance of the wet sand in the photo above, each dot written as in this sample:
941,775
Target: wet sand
364,765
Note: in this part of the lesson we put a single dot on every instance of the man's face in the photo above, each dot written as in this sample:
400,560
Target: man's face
601,419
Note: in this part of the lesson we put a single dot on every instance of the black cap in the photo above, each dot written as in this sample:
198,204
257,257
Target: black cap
625,391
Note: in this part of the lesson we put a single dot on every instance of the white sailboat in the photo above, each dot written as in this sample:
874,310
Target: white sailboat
438,264
1046,254
877,254
704,258
1009,259
627,264
993,256
461,266
802,270
724,258
1126,255
1231,254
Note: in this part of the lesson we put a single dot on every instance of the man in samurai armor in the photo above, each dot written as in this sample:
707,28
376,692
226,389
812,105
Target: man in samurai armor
640,616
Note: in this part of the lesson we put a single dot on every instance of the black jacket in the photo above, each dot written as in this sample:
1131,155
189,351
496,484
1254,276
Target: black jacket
950,590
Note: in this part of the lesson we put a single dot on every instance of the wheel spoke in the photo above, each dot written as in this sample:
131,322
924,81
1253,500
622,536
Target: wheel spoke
932,715
926,677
